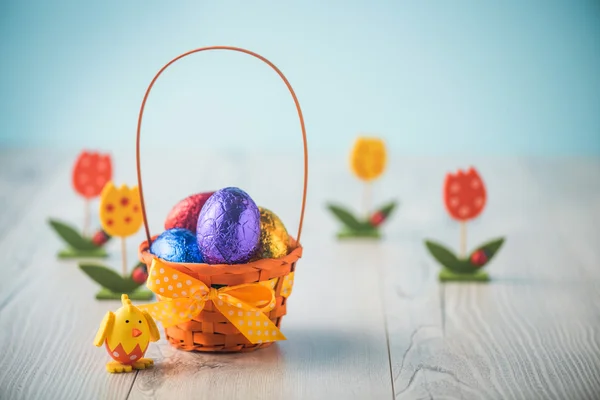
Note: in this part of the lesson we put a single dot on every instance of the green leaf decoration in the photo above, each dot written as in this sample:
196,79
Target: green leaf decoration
448,259
490,248
98,252
109,278
137,294
347,218
441,253
72,237
446,275
346,233
388,208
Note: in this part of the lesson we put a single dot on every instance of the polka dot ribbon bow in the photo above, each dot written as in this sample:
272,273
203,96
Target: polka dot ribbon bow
181,297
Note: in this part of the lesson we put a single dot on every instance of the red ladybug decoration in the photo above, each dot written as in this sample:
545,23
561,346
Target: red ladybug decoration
479,258
100,238
140,273
377,218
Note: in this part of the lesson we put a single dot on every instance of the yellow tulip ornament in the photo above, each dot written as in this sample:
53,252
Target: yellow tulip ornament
368,160
120,212
120,216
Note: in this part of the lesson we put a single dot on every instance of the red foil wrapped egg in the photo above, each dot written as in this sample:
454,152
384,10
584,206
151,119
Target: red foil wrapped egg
185,213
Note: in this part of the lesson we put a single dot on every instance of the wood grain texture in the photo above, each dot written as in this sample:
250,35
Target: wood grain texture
27,186
23,173
413,298
543,312
48,316
335,348
532,333
366,319
336,344
545,309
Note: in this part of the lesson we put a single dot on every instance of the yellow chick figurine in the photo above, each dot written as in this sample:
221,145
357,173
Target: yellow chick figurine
126,334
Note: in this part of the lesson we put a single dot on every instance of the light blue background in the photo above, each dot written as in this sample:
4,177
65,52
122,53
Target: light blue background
432,77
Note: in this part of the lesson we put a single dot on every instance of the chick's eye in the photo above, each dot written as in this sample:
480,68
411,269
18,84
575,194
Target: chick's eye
126,321
140,321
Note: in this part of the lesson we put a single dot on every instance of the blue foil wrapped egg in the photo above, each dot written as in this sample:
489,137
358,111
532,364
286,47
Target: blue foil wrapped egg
177,245
228,229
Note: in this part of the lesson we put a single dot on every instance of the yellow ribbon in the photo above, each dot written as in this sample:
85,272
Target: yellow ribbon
286,287
181,297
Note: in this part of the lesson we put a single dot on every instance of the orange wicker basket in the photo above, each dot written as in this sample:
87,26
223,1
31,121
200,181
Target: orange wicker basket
210,331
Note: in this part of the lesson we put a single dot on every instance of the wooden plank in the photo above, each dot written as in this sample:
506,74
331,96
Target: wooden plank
532,332
527,341
27,229
23,173
572,206
528,334
335,348
413,298
336,340
48,314
48,331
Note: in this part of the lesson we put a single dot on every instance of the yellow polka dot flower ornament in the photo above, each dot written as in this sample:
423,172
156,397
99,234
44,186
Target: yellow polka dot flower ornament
120,216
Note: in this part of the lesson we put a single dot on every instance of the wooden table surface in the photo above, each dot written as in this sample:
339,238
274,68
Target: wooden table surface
367,320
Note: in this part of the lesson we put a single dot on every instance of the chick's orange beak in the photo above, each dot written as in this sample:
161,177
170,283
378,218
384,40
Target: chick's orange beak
136,332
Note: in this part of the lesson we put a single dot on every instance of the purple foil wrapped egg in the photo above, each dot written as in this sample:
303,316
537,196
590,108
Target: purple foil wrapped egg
228,229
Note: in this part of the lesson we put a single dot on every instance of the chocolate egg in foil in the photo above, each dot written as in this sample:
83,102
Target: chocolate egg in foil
228,229
177,245
274,238
185,213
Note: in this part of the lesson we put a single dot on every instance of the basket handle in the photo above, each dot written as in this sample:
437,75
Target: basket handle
240,50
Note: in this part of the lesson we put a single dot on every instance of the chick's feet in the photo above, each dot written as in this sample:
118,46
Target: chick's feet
116,367
143,363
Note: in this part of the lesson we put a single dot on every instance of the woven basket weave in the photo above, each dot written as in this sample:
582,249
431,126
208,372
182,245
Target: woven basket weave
210,331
